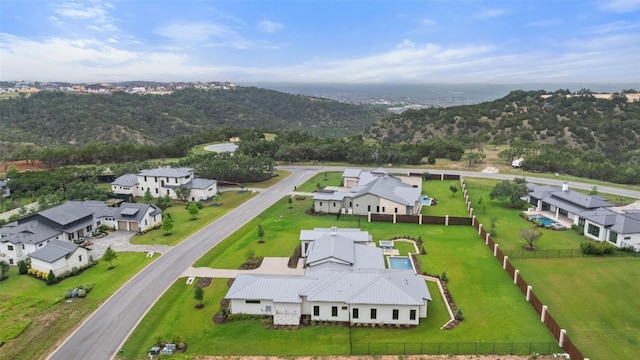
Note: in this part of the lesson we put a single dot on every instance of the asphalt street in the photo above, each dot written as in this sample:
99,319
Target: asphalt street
105,331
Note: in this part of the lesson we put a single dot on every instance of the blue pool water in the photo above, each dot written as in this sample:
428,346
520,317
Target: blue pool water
426,201
399,262
542,219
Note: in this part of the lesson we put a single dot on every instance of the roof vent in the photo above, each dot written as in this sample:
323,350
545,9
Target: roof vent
334,231
565,186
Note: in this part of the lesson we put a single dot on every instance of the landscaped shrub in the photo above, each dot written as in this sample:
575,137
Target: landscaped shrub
459,315
82,293
443,276
51,278
75,270
423,251
22,267
597,248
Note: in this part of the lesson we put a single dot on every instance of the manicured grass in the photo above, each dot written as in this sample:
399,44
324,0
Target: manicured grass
324,178
448,204
34,315
404,247
265,184
184,225
174,314
595,299
509,222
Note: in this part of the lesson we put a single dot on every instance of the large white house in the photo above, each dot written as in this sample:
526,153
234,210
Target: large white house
367,192
345,280
595,216
165,180
72,221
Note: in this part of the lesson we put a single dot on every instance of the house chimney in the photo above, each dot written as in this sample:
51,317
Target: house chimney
565,186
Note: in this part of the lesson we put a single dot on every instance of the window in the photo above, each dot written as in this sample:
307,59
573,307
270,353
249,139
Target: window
252,301
374,314
344,308
334,204
89,228
627,237
10,261
395,314
594,230
145,179
320,203
98,223
72,236
356,313
395,210
613,237
383,209
156,191
22,246
145,221
10,247
378,209
581,222
350,204
412,314
369,208
316,310
79,258
156,179
40,245
334,311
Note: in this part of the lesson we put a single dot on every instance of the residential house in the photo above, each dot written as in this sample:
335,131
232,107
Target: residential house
163,181
59,256
4,190
594,215
367,192
18,240
345,280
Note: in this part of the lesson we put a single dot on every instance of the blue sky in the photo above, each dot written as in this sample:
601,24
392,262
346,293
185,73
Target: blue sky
501,42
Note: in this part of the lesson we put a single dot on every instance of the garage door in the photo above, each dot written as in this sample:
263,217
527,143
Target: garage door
133,226
122,225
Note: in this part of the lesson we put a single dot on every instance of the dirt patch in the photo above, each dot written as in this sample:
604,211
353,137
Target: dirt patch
205,282
384,357
23,166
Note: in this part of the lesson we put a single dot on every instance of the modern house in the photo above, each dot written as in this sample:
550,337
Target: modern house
165,180
59,257
345,280
72,221
594,215
367,192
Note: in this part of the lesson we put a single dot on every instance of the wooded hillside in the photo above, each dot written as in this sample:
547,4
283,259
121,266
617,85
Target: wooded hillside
577,121
50,118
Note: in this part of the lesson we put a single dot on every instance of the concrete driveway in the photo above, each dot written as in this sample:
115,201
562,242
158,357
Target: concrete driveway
120,242
270,265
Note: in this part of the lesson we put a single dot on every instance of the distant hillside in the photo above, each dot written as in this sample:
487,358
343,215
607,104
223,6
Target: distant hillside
48,118
579,121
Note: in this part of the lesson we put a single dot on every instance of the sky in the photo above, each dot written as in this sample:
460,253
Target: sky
330,41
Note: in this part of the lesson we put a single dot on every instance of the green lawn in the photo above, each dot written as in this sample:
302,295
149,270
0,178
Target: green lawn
33,315
595,299
448,204
184,225
325,178
265,184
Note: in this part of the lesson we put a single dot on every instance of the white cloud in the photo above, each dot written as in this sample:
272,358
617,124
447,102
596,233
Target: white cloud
620,6
96,13
616,26
429,22
269,26
489,13
543,23
406,43
113,41
196,32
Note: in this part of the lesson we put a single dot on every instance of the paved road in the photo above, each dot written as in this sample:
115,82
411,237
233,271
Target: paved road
103,333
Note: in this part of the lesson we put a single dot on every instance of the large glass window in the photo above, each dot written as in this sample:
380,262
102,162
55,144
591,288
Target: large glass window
594,230
412,315
613,237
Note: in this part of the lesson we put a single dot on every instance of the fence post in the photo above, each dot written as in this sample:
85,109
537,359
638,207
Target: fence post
486,239
515,276
441,177
504,262
369,216
563,333
479,229
420,219
529,288
446,220
394,218
544,313
495,249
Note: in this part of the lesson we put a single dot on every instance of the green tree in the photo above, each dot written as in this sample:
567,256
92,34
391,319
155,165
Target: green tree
493,226
183,193
148,198
51,278
512,190
4,268
530,235
260,233
198,295
594,190
193,210
453,189
22,267
473,157
167,225
110,255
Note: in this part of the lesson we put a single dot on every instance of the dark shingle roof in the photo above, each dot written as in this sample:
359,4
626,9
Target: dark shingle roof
54,250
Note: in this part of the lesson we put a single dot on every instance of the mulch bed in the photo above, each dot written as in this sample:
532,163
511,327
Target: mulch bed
252,264
205,282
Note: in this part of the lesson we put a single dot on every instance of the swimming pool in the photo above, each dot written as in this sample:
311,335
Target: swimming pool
400,262
542,219
426,201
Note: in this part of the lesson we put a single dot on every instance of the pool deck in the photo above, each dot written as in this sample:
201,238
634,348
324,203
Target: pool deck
551,215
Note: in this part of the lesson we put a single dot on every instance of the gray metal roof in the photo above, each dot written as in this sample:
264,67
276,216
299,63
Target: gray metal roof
331,195
328,247
627,224
129,211
128,180
278,288
167,172
351,173
54,250
67,213
390,188
200,183
135,211
355,234
569,199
